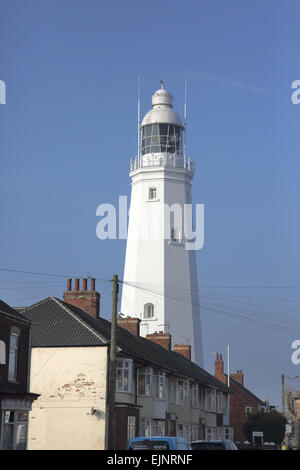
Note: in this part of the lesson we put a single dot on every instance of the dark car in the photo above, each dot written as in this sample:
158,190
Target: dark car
214,444
158,443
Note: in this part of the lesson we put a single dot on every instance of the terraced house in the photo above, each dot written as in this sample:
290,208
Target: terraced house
159,391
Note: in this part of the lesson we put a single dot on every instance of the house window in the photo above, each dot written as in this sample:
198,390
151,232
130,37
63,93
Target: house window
152,193
195,432
172,392
158,428
183,430
131,427
228,433
248,410
145,427
158,384
211,400
144,382
182,392
123,375
220,408
14,430
210,433
148,311
151,382
13,356
195,396
2,353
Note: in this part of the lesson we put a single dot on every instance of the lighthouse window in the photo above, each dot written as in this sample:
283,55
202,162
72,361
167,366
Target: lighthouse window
157,138
152,193
148,311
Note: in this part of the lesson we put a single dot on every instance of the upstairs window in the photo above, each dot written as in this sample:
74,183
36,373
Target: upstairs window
182,392
124,375
211,400
220,406
195,396
13,357
151,383
2,353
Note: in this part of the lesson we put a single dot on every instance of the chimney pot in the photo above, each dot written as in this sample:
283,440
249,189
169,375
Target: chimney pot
93,280
69,284
77,284
84,284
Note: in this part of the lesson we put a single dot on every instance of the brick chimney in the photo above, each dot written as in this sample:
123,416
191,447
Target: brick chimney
88,300
164,339
219,368
183,349
238,376
130,324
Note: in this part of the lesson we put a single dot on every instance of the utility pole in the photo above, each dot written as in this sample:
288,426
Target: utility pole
282,395
112,368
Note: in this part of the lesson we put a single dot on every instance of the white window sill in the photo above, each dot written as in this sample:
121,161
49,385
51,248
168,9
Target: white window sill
152,200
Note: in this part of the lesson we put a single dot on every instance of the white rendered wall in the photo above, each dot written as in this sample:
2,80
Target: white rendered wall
71,381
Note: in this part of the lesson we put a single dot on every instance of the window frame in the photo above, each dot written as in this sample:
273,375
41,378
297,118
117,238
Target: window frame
13,357
124,369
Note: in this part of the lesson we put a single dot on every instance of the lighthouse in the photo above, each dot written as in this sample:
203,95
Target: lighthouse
160,284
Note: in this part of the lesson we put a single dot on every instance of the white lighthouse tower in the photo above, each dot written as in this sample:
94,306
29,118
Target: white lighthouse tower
160,275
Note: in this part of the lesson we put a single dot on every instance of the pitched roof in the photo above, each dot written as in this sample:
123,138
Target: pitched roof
57,323
7,310
245,390
54,324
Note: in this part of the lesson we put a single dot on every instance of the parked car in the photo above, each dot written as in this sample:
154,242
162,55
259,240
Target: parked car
158,443
214,444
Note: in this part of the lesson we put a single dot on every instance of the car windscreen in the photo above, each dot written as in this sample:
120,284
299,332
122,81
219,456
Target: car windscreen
148,444
208,446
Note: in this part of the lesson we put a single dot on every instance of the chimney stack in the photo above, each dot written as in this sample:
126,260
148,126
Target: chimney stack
219,368
130,324
163,339
88,300
238,376
184,350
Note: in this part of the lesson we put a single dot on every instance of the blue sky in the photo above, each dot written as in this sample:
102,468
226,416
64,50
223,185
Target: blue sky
68,131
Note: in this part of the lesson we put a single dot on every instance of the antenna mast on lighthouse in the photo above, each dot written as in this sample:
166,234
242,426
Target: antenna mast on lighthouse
139,121
185,98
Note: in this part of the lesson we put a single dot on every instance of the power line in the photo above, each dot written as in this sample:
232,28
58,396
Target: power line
46,274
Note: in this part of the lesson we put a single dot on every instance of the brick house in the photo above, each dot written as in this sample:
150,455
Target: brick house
158,390
242,401
15,399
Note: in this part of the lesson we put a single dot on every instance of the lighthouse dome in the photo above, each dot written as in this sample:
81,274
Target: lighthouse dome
162,111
